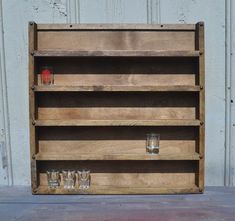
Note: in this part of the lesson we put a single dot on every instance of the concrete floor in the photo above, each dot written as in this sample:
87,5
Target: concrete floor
216,204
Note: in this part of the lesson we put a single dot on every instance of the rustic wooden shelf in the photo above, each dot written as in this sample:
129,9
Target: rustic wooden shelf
55,88
74,122
145,156
117,53
114,84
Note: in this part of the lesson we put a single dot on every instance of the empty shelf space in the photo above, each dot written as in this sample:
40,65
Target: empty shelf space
116,122
118,88
95,156
116,53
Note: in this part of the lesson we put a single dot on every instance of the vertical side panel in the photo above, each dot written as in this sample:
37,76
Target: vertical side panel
200,46
32,79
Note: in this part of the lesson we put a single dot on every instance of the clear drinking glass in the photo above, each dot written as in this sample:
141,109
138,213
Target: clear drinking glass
84,179
69,179
53,178
152,143
47,75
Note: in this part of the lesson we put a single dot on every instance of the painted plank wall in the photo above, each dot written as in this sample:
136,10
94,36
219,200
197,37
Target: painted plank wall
13,67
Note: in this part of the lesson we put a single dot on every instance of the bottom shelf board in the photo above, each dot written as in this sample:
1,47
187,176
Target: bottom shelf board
118,190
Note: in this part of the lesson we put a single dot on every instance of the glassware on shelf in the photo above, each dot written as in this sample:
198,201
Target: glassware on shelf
53,178
69,178
84,179
47,75
152,143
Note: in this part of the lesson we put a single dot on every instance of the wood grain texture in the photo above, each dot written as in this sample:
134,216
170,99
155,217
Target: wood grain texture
128,71
117,122
137,27
116,53
72,156
116,88
121,40
32,111
112,87
201,47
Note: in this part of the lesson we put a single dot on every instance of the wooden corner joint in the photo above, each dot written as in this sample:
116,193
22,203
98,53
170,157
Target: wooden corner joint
200,189
201,156
33,122
33,87
201,87
34,190
33,157
201,123
32,52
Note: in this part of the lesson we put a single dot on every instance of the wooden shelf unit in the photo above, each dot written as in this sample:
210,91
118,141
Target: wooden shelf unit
113,84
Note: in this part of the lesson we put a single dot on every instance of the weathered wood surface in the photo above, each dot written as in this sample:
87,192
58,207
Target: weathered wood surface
116,88
117,122
182,27
164,62
217,203
116,53
91,156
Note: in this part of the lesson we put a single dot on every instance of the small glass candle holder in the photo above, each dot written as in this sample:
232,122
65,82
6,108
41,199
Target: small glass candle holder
47,75
84,178
152,143
53,178
69,179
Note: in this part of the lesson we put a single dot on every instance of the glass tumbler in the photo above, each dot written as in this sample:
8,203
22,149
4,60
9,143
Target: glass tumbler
69,179
84,179
152,143
47,75
53,178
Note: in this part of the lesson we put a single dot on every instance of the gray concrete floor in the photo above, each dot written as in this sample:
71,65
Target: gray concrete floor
216,204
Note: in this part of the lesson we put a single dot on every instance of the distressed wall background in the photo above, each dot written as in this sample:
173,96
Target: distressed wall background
219,19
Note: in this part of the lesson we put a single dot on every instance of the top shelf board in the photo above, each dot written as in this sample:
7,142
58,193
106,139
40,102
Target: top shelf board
116,53
132,27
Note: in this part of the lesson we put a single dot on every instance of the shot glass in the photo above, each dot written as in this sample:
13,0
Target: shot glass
84,179
152,143
53,179
69,179
47,75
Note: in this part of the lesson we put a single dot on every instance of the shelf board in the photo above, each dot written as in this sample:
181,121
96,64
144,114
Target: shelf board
56,88
145,156
96,189
116,53
75,122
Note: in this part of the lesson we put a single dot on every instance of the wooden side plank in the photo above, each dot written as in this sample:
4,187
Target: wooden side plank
200,46
32,111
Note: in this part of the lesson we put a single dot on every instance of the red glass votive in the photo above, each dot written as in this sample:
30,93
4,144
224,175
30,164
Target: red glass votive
47,76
